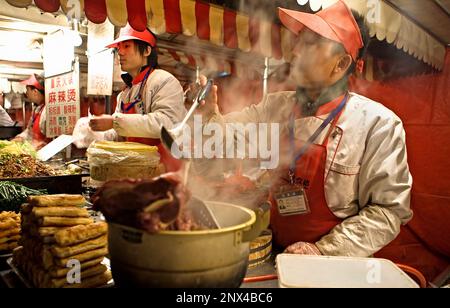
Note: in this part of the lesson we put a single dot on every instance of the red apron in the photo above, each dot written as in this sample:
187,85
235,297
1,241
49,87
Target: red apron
309,170
37,135
170,163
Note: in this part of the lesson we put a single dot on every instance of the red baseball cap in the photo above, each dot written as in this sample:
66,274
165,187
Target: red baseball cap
335,23
32,81
128,33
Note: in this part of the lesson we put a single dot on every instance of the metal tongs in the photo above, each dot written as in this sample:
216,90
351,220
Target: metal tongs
200,211
168,135
77,162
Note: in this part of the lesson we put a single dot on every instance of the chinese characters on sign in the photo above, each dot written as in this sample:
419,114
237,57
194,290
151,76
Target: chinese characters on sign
100,61
62,98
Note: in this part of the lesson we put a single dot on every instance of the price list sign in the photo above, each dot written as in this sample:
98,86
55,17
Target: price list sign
62,98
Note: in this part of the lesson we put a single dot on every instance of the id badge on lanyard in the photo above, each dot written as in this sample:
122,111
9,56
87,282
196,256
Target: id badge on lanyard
291,199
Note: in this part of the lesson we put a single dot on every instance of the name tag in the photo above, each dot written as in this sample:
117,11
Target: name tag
291,200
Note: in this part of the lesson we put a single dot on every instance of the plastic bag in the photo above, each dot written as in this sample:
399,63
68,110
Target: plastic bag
84,135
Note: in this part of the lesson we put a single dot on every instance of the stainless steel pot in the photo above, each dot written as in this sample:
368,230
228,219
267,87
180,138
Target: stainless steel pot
210,258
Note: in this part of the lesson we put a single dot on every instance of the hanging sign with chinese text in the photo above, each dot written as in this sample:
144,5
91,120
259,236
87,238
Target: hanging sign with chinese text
58,53
62,98
100,60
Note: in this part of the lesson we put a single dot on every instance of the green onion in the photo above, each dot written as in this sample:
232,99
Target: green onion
12,195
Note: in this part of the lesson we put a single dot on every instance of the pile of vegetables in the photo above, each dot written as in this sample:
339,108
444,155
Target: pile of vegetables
17,148
12,195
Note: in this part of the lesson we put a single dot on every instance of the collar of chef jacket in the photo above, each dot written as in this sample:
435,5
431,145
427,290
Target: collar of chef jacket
128,79
309,107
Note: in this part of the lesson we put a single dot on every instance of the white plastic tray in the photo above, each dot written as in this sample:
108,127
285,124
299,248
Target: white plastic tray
301,271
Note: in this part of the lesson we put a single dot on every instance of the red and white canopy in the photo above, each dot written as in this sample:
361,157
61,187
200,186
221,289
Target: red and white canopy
220,26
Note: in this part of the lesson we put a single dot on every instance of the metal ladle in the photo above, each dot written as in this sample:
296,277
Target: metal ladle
200,211
168,135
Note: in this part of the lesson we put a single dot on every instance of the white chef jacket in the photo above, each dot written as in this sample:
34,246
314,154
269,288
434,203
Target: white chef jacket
163,104
367,179
5,119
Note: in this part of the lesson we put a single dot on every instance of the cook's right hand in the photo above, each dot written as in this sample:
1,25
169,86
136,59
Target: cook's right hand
208,107
101,123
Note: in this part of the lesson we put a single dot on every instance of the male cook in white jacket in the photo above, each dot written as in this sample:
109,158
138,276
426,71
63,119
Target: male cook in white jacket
153,97
349,192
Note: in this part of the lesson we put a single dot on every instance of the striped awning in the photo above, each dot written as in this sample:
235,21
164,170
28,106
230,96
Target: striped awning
238,31
220,26
212,64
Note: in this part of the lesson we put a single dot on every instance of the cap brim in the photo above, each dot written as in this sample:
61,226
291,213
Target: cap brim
122,39
296,21
26,82
32,81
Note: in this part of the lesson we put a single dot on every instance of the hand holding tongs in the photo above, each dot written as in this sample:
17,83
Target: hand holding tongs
168,136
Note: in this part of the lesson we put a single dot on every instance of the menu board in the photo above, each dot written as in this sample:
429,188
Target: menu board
62,98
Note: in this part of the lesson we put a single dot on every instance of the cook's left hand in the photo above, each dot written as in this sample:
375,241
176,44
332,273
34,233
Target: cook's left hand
303,248
101,123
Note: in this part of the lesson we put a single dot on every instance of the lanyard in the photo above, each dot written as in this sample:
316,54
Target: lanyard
311,139
138,97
